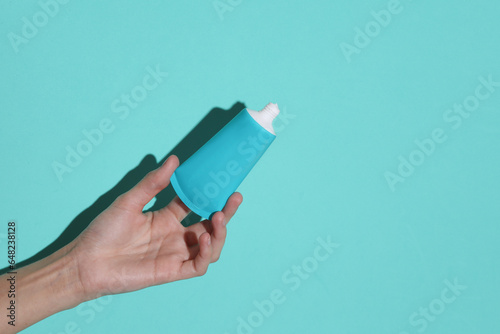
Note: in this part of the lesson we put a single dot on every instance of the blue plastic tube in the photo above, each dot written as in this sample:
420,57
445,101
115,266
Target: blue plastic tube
205,181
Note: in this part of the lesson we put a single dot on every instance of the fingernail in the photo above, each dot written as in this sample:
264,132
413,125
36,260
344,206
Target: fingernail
209,240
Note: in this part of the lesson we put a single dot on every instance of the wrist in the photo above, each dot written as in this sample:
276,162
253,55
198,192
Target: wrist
40,290
65,272
50,289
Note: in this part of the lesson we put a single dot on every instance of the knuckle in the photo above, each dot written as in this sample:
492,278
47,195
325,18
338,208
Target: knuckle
122,199
152,180
203,271
156,185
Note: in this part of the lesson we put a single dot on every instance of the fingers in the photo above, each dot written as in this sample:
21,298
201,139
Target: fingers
199,265
232,205
218,235
154,182
219,222
229,210
217,226
211,240
177,208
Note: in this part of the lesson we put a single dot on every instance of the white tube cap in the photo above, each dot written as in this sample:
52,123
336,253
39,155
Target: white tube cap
266,116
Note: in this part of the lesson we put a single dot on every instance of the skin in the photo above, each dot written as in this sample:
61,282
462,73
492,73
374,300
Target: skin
122,250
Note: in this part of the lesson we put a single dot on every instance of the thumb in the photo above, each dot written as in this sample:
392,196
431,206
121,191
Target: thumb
154,182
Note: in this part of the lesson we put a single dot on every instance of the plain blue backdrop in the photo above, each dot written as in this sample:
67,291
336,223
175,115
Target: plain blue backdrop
376,210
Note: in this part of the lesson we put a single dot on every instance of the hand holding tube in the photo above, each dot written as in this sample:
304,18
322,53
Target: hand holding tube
122,250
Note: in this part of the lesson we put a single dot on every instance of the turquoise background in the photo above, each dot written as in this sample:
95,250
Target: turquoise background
324,176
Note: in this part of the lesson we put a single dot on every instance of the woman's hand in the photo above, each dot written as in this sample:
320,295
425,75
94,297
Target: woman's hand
124,249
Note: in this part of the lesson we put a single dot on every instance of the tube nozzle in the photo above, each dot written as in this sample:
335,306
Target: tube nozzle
271,109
